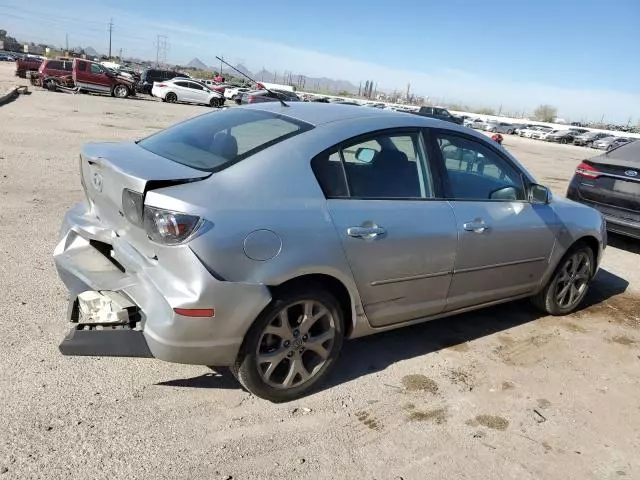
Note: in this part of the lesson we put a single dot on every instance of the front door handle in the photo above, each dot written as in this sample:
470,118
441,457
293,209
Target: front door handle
368,232
477,226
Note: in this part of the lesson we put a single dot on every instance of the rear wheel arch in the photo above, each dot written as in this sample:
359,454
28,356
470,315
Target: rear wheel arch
326,282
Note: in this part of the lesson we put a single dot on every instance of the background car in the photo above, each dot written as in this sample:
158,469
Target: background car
587,139
500,127
186,91
231,93
236,247
562,136
618,141
604,143
151,75
259,96
542,133
476,123
610,182
578,130
521,127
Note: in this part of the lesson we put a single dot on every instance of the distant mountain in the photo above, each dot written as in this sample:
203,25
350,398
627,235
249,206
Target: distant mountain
198,64
301,82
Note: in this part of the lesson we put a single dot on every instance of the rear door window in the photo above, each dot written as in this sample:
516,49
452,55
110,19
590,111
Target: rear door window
55,65
214,141
82,66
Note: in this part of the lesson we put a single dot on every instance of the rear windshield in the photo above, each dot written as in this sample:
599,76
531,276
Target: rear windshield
216,140
627,151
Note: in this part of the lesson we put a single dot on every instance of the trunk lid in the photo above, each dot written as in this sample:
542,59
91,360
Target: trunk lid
109,168
617,185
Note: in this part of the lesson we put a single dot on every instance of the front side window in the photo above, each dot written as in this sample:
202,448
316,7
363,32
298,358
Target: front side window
195,86
386,166
214,141
476,172
96,69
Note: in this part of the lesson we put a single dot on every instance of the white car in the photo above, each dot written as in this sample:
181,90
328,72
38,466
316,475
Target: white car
542,134
187,91
528,132
232,92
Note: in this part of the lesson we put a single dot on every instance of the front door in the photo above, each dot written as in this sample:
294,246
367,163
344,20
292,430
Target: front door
504,240
399,238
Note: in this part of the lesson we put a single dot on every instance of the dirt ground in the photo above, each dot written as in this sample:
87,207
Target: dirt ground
503,393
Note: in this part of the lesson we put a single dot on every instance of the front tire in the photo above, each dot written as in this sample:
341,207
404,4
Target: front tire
120,91
292,345
569,284
564,141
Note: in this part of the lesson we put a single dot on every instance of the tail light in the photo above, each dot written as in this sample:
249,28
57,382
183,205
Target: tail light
132,206
251,98
587,171
169,228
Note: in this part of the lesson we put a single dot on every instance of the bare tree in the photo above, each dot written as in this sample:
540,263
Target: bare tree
545,113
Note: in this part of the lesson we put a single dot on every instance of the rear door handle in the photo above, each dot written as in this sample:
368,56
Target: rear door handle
477,226
368,233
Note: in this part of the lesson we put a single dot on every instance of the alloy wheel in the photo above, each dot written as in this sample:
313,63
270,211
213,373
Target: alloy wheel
121,91
296,344
573,279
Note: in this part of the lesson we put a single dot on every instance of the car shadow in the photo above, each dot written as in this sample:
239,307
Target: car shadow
218,379
631,245
374,353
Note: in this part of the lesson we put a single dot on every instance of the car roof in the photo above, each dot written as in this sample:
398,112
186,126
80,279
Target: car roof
318,113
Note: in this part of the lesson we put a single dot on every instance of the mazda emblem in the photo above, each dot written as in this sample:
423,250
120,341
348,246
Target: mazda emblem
631,173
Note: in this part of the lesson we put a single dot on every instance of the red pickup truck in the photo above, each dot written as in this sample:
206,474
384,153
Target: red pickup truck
92,77
27,64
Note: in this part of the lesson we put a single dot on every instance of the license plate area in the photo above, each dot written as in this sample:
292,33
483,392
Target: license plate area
105,308
630,188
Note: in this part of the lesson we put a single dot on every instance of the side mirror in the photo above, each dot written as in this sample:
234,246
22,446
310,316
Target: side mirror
365,155
504,193
539,194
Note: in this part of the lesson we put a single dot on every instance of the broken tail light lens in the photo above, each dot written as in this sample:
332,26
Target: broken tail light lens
587,171
132,206
169,228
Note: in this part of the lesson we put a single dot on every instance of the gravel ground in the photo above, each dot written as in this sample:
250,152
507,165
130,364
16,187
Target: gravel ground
500,393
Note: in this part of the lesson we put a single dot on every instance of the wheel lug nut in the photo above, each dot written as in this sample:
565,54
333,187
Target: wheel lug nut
286,343
305,338
290,354
301,350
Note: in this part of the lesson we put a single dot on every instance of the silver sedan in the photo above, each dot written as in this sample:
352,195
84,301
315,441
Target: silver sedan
261,237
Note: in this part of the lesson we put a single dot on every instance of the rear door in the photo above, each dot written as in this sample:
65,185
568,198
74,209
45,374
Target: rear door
399,236
198,93
182,90
504,241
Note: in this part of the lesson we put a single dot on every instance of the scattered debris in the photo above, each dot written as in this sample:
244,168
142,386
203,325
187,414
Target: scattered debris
4,470
301,461
538,416
543,403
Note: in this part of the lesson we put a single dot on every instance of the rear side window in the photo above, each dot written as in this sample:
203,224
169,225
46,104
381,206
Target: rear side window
82,66
214,141
55,65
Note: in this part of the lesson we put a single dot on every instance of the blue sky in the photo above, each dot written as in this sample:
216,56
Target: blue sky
580,55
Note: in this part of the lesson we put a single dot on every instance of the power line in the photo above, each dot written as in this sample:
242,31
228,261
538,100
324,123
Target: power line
161,49
110,32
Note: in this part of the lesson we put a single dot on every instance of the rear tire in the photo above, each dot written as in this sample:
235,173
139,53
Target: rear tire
171,97
216,102
569,283
509,132
297,337
564,141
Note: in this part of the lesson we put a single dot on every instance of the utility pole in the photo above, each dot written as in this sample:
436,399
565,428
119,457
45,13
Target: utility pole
67,42
120,56
221,57
161,49
110,32
360,88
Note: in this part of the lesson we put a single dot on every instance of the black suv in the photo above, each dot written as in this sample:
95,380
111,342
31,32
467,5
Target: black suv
154,75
